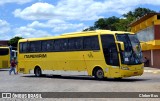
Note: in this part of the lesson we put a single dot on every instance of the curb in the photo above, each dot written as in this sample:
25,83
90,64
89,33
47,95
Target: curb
152,71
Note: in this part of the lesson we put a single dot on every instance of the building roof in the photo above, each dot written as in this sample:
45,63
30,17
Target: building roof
3,42
143,18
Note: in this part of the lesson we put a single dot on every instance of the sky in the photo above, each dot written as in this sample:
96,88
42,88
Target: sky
43,18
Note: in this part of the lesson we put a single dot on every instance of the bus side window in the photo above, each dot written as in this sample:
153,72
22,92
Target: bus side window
75,44
57,45
60,44
44,44
20,47
91,43
64,44
71,43
87,43
35,46
95,43
78,43
25,47
47,45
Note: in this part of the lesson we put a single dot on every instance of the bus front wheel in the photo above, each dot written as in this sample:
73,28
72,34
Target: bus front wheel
38,72
99,74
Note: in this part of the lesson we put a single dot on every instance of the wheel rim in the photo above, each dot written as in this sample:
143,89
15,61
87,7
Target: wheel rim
99,74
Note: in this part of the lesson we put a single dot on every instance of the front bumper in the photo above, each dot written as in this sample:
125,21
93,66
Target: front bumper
129,73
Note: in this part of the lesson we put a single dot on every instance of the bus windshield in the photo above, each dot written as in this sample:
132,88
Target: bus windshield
132,53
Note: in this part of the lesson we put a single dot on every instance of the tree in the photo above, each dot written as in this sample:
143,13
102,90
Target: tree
138,12
122,25
106,23
14,41
100,24
91,28
133,15
119,24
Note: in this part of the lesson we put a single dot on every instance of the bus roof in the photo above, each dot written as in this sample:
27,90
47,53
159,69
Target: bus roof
84,32
77,34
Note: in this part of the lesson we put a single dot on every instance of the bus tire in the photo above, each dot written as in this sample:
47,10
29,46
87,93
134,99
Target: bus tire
99,74
38,72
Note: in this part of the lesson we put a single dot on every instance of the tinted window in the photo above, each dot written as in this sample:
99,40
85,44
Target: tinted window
64,44
91,43
60,44
20,47
57,45
158,17
47,45
4,51
110,50
35,46
70,44
75,44
25,47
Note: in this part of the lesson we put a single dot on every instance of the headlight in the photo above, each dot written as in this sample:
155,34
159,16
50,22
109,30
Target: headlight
125,68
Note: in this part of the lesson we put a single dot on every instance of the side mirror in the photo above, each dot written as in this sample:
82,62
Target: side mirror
120,45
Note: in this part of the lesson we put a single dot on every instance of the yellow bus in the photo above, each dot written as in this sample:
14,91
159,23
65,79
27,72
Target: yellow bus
4,57
100,53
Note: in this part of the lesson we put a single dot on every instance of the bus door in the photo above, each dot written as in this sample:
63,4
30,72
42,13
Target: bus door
111,54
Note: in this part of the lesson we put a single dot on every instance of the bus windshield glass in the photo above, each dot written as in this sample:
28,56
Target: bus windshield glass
4,51
132,53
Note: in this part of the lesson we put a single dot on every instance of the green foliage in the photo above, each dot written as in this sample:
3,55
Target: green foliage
107,23
91,28
14,41
122,25
119,24
138,12
100,24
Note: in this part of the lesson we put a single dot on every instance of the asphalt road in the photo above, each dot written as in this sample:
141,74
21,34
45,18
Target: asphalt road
148,82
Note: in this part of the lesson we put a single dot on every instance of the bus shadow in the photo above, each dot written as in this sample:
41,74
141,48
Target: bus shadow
87,78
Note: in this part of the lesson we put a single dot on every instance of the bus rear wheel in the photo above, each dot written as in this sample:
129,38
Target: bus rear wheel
99,74
38,72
